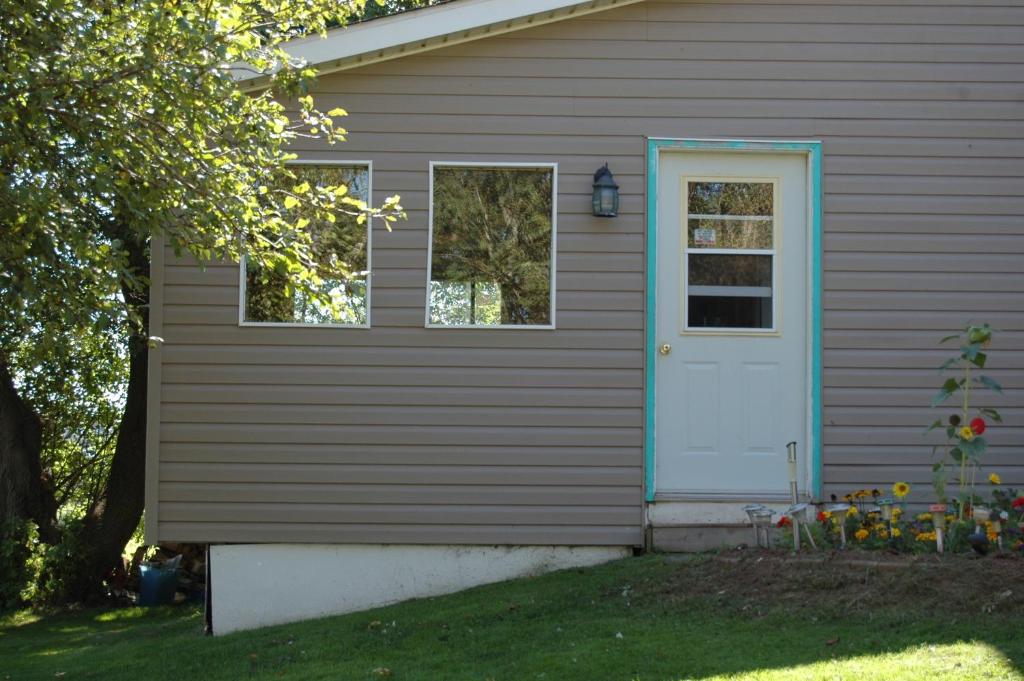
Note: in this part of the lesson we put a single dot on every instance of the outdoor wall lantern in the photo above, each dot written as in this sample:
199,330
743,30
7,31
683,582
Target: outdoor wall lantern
606,193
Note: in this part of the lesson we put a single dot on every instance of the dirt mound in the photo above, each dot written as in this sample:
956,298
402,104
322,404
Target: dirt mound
845,584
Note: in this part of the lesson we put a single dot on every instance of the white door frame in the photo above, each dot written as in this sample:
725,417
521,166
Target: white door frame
811,447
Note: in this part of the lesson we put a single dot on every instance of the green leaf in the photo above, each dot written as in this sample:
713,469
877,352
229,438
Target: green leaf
936,424
979,360
337,111
956,454
991,413
290,202
970,352
949,338
948,363
990,384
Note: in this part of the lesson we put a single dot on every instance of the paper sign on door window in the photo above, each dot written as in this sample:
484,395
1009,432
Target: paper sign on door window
704,237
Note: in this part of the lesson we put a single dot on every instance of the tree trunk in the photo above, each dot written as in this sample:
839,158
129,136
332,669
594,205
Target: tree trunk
24,492
112,520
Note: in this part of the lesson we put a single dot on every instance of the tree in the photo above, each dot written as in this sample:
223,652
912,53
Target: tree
121,121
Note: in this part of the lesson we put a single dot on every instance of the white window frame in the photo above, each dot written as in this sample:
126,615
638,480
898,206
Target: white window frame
776,287
369,258
497,165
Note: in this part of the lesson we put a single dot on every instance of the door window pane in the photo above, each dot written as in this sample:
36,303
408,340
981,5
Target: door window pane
730,259
491,246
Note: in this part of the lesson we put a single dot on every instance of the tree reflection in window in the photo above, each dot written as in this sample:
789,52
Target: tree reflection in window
492,236
340,246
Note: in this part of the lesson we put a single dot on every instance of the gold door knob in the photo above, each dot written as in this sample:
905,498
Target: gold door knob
665,348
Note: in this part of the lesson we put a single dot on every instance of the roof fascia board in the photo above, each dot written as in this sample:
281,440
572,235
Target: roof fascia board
431,28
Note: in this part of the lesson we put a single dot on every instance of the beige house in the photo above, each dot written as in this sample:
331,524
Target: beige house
810,196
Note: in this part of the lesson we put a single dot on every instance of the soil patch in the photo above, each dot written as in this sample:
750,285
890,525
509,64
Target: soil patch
846,583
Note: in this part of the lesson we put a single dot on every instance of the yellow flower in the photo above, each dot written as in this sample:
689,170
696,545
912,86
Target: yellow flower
897,512
926,536
861,534
950,518
861,493
995,479
883,534
993,536
896,532
966,434
853,512
924,516
901,489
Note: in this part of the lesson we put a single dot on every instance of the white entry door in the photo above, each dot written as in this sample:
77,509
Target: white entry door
731,310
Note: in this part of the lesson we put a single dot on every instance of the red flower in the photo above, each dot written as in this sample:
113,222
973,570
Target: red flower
822,517
978,425
783,522
1018,502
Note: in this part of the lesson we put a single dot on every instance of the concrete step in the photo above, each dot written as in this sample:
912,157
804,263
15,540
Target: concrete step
693,538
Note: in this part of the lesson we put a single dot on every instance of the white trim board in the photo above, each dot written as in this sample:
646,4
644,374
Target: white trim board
430,28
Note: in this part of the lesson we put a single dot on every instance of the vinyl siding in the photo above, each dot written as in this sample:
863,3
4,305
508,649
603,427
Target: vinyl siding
405,434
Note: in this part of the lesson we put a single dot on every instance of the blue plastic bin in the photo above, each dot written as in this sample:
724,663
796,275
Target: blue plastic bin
157,584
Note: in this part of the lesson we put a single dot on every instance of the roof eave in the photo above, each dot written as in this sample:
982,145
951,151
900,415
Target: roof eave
443,25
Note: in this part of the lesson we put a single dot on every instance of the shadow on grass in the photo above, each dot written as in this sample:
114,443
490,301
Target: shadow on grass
647,619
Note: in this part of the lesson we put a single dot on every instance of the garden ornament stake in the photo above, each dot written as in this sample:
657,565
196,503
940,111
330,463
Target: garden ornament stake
938,512
793,494
749,510
762,525
839,512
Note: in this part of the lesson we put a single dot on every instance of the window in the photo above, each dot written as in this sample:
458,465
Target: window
492,245
267,301
729,255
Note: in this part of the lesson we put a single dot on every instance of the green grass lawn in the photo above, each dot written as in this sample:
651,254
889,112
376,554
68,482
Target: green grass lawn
643,618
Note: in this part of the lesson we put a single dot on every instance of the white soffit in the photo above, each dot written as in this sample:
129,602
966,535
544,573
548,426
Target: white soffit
433,27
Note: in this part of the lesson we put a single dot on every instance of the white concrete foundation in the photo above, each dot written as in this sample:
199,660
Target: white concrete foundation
256,585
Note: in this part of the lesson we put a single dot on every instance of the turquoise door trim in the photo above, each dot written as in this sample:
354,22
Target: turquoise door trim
812,149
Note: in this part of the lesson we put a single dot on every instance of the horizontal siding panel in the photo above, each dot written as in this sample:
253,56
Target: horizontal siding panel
830,66
911,417
903,359
922,261
463,495
231,415
349,396
894,435
404,514
404,357
487,377
934,321
400,434
738,107
902,378
686,87
923,281
906,340
402,534
387,336
923,300
1002,459
626,476
854,56
388,454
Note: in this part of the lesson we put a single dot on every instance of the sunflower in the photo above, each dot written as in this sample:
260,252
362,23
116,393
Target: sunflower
966,434
995,479
901,489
